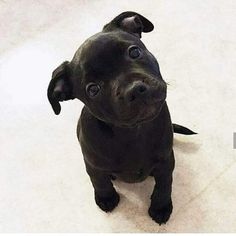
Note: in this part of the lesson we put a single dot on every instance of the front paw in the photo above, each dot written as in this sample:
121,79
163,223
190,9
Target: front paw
161,215
107,203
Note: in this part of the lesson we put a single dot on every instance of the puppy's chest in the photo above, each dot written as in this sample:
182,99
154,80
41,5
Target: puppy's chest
120,149
128,152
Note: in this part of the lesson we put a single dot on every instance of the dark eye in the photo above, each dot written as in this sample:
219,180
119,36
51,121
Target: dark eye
92,89
134,51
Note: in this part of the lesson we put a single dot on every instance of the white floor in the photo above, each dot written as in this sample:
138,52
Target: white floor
44,187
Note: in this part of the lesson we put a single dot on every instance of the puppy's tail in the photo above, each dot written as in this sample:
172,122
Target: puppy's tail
182,130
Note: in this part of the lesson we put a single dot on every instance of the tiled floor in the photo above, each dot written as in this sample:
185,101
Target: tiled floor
44,187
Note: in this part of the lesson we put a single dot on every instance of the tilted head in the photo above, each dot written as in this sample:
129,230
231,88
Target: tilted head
113,74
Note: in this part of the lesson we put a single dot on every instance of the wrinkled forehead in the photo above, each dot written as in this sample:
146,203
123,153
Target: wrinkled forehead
103,54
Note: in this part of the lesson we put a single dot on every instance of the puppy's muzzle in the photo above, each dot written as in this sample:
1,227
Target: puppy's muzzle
137,90
140,91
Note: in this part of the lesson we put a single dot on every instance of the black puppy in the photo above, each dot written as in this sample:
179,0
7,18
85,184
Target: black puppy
125,130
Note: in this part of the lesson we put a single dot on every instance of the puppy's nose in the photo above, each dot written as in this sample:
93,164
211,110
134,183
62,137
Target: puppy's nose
137,90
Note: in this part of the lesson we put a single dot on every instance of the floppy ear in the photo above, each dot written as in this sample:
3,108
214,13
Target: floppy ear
60,88
131,22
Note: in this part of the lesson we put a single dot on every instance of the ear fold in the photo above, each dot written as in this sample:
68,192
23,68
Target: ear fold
131,22
60,88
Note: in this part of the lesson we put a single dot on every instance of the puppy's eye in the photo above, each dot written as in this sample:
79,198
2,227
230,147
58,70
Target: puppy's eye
92,89
134,52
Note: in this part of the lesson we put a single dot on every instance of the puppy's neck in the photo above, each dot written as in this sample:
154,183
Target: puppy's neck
125,132
110,129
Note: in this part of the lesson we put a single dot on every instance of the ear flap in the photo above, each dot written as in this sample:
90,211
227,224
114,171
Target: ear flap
59,88
131,22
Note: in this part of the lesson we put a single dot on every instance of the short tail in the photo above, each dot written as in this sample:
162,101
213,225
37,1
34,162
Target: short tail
182,130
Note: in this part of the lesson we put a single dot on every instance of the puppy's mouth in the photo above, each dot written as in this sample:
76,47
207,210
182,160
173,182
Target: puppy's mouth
146,113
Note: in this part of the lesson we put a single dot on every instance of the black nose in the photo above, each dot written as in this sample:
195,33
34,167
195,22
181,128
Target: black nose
137,90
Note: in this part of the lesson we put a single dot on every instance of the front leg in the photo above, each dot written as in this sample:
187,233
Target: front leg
161,203
105,194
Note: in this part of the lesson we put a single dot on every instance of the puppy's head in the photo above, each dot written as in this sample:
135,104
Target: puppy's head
113,74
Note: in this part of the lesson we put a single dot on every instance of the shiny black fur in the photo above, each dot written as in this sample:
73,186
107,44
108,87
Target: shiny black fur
125,130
